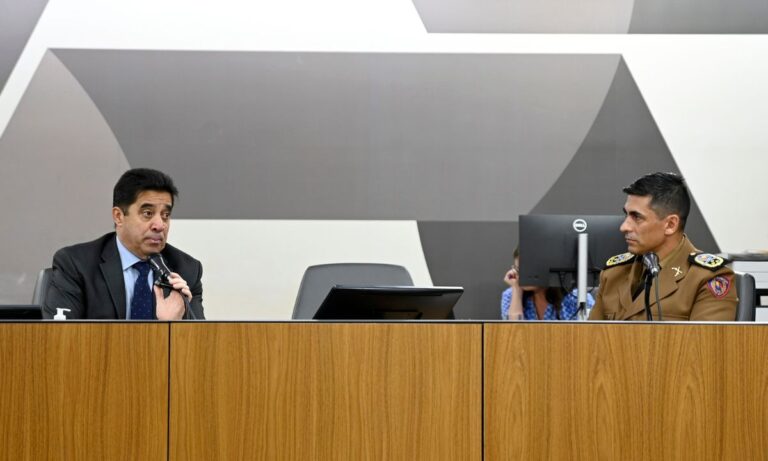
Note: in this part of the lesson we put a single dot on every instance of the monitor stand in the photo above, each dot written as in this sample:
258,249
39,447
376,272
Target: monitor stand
581,276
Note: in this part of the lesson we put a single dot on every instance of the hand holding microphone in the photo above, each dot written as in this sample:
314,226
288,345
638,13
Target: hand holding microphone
170,305
162,273
166,279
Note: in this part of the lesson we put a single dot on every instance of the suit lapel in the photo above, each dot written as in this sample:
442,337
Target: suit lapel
672,272
667,285
625,291
629,306
112,270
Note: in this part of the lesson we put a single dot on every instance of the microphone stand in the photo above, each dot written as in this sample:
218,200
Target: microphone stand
648,282
658,301
581,276
649,278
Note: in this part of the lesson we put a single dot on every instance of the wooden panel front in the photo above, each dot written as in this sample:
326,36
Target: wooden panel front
307,391
626,391
83,391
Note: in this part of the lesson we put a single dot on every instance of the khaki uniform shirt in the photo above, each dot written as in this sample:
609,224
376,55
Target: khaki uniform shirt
687,290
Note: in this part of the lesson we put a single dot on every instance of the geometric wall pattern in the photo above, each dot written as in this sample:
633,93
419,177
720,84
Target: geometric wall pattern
594,16
623,140
17,20
462,144
348,135
360,136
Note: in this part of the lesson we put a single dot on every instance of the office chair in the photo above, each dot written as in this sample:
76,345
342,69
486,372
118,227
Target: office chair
745,289
41,286
318,281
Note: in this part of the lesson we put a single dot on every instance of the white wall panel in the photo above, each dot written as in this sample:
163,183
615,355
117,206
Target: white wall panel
252,268
707,95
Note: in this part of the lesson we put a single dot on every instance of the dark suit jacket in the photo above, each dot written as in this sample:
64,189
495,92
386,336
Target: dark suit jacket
88,279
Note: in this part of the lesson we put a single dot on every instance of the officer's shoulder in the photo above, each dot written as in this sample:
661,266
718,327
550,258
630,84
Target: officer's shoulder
707,260
619,260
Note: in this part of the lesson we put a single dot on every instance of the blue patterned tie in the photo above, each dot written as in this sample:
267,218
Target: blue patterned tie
143,302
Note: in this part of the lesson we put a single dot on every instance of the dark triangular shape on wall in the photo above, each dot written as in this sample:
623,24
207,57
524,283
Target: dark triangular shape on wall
623,144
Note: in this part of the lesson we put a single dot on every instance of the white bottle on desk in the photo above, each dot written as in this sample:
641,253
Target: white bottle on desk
60,314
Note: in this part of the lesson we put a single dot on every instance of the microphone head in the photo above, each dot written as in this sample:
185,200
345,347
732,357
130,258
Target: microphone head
161,270
651,262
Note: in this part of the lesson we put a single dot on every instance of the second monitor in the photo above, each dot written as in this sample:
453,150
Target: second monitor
346,302
549,247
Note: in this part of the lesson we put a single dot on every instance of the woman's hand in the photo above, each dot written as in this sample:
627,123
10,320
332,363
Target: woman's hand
512,278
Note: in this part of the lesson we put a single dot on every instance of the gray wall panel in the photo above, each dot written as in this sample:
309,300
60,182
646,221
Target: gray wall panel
700,17
17,21
594,16
475,255
58,164
525,16
345,135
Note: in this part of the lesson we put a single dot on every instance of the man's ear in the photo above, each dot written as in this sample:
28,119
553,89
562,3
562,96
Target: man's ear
671,224
117,216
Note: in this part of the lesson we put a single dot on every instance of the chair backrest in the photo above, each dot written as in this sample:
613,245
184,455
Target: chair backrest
745,289
41,286
318,281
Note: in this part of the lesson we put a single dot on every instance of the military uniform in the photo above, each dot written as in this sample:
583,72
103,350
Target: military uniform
692,286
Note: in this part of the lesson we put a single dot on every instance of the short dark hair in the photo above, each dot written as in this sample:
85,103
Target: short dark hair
668,194
135,181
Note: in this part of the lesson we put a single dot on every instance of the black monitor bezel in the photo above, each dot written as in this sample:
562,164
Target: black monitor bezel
551,241
348,302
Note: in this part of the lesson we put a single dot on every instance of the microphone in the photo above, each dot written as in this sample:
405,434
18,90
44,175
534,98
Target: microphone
162,274
651,262
157,262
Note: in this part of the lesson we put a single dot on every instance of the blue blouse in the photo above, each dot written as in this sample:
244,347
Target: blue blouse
569,307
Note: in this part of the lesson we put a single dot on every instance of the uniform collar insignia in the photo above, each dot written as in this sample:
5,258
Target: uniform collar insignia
707,260
619,259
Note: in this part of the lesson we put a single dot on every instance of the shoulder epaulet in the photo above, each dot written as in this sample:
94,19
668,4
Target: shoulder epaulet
707,261
618,260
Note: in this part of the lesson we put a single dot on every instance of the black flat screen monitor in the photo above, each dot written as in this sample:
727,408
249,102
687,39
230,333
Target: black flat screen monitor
20,312
345,302
549,247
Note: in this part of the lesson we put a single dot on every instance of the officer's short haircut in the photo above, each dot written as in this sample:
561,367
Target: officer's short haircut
668,194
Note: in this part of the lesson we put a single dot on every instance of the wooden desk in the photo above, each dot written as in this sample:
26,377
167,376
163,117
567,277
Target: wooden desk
626,391
301,391
383,391
83,391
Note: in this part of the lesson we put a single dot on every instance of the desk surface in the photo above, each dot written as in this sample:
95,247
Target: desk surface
83,391
383,390
626,391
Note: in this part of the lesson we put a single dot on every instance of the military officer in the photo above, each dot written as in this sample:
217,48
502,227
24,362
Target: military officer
691,285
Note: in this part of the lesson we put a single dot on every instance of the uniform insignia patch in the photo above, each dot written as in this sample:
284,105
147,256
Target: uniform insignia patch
719,286
619,259
710,261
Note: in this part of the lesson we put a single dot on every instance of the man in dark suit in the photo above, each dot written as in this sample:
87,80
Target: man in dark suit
110,278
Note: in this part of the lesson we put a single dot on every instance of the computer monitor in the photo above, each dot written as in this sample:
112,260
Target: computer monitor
345,302
549,247
20,312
